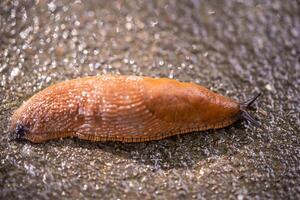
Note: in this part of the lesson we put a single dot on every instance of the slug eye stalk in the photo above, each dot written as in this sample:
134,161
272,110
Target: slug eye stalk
245,114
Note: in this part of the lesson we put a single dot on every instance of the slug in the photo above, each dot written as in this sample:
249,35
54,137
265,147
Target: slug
124,108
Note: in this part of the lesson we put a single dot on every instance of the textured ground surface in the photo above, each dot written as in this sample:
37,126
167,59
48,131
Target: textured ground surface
233,47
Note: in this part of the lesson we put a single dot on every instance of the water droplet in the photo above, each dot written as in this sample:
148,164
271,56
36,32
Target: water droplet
125,60
171,75
51,6
269,87
15,72
161,62
131,61
85,94
153,23
77,23
211,12
128,26
24,34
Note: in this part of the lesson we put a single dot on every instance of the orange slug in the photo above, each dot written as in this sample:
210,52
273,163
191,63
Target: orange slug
123,108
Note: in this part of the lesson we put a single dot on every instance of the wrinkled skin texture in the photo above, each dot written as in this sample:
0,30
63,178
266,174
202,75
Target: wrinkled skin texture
121,108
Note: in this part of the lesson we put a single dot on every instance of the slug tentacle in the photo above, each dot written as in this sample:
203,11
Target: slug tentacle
245,115
250,101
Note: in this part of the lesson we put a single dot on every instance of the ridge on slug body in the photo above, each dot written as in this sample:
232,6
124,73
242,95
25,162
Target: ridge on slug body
124,108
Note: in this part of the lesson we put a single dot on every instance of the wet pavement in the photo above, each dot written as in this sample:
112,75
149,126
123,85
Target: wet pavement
235,48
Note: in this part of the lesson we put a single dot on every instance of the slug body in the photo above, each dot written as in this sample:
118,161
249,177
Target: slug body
122,108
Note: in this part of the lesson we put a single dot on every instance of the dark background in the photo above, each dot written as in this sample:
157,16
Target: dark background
235,48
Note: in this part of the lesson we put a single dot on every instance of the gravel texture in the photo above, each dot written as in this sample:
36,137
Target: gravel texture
235,48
